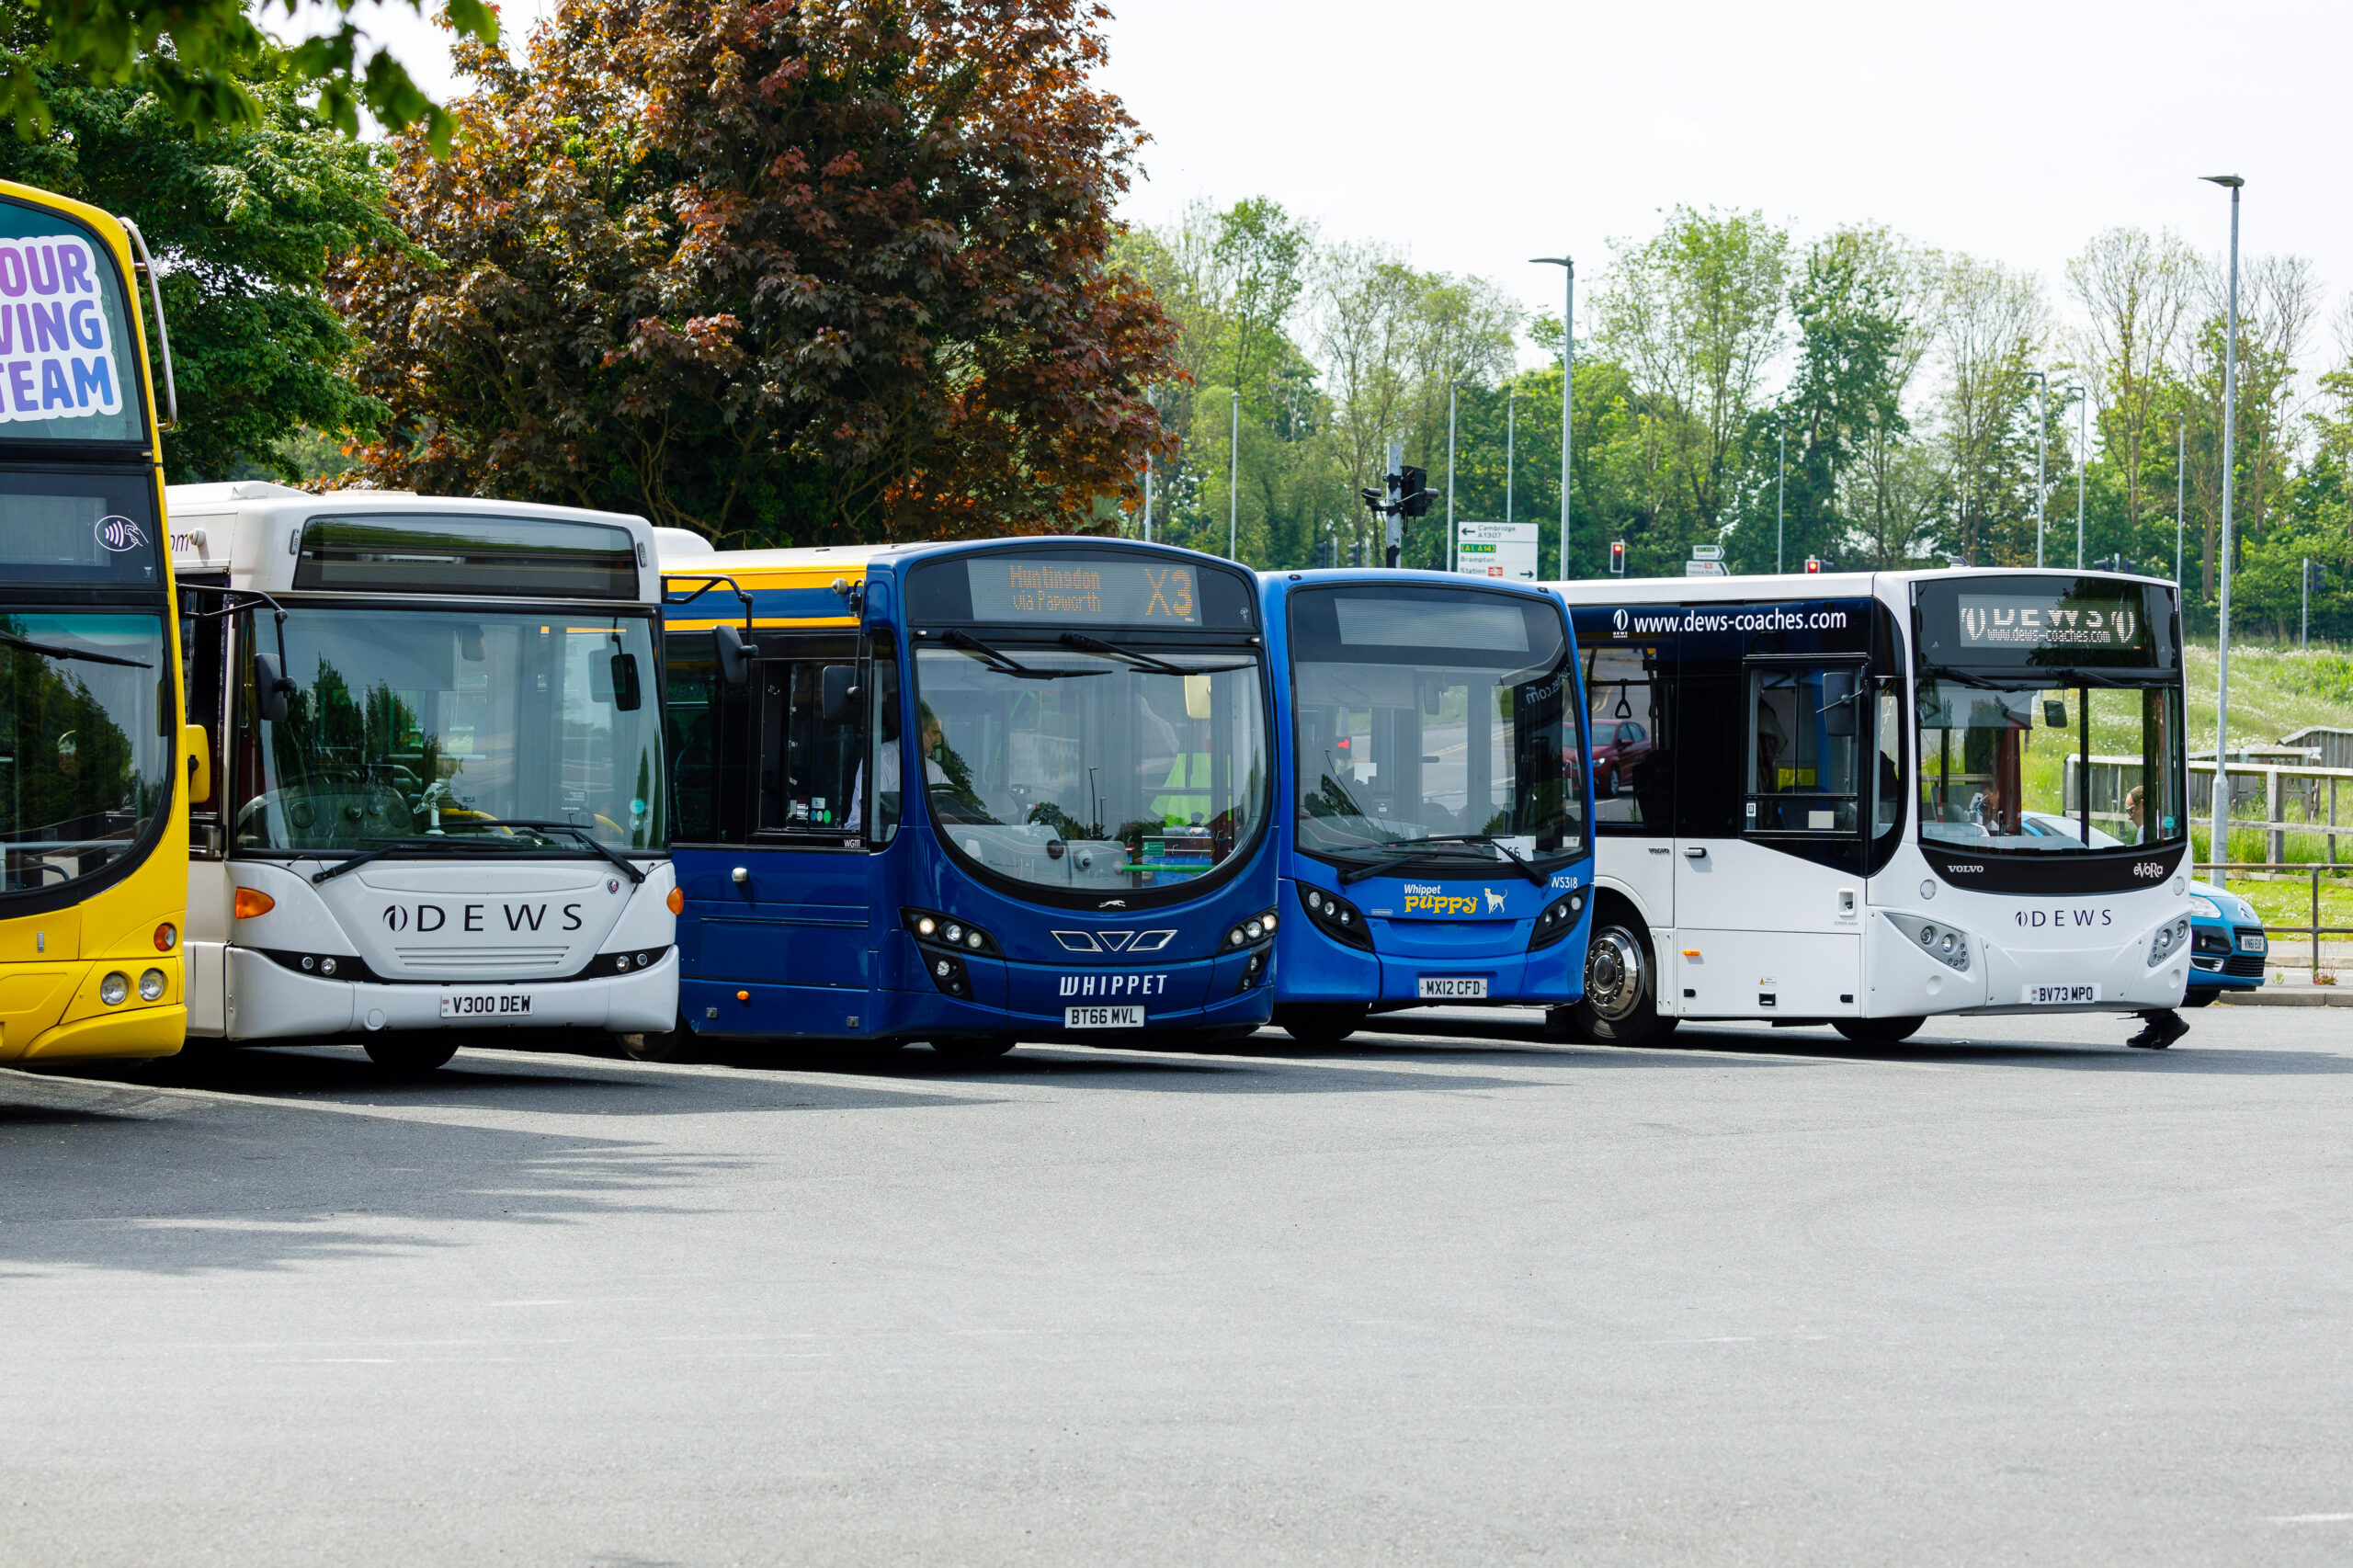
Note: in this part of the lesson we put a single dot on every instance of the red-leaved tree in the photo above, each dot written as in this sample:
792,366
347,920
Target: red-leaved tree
783,272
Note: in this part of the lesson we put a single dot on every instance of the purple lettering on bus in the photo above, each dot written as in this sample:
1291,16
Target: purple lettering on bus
54,392
34,256
73,268
82,322
12,271
50,323
20,386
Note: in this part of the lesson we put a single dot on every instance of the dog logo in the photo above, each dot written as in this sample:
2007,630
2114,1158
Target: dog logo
1494,900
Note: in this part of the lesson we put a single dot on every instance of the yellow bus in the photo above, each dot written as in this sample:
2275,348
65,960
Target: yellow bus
97,768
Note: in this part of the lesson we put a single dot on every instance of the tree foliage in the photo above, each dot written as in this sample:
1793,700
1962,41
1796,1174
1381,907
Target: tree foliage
242,221
200,60
783,272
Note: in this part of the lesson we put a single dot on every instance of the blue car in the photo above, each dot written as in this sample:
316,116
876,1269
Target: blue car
2227,945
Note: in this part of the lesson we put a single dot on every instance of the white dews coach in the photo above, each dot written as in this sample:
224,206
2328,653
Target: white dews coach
1863,799
436,725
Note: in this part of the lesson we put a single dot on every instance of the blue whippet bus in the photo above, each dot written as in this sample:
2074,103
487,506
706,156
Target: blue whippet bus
1433,780
1085,851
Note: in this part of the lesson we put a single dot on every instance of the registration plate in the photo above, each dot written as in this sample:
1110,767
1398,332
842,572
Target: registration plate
485,1004
2253,942
1102,1018
2060,995
1448,988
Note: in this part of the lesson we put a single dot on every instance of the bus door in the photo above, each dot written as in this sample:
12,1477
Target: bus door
1630,686
770,775
204,638
1768,860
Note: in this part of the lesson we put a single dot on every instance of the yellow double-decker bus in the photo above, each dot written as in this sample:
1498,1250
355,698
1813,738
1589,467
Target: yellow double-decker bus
97,768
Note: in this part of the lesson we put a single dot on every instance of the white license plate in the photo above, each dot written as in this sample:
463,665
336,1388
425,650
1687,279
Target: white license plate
485,1004
2060,995
1443,988
1102,1018
2253,942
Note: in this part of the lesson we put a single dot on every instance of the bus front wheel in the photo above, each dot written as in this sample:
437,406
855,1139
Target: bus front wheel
1326,1025
974,1048
1620,1004
411,1054
1878,1032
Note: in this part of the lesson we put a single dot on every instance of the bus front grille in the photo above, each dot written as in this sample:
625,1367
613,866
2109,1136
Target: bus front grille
483,960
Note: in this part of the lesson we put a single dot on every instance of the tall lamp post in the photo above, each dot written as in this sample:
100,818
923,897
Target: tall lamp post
1511,437
1234,484
2180,486
2222,834
1453,540
2083,456
2042,453
1780,489
1568,374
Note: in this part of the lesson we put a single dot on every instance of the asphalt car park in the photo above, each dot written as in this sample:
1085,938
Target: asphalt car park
1449,1292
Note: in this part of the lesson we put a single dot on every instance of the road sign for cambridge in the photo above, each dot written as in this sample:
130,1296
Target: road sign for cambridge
1497,549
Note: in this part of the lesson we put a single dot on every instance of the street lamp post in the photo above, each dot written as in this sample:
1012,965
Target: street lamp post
1234,484
2180,488
2042,453
2083,456
1780,489
2220,846
1453,540
1568,375
1511,435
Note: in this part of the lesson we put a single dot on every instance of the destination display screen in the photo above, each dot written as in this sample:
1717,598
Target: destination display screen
2045,622
2051,620
1056,590
439,553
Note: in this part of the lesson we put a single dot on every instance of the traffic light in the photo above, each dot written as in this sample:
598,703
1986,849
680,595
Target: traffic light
1413,493
1618,558
1324,553
1813,565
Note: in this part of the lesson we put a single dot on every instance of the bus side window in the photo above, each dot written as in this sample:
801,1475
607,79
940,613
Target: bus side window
200,672
810,764
1887,781
883,751
1803,726
1626,714
707,720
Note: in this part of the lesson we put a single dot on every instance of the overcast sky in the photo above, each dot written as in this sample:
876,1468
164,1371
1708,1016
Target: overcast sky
1480,132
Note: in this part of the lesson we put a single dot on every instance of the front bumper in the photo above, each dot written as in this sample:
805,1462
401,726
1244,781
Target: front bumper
268,1001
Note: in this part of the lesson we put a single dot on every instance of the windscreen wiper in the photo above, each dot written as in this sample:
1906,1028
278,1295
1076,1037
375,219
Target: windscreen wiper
1143,661
397,846
576,831
1357,873
1004,663
51,650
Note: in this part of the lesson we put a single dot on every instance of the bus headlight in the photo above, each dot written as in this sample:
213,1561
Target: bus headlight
1559,918
2170,939
1258,928
935,929
151,985
1942,943
1335,916
115,989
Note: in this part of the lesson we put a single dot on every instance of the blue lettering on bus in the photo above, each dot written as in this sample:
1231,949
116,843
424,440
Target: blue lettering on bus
94,375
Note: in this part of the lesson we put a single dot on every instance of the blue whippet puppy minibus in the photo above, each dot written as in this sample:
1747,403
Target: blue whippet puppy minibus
970,794
1432,780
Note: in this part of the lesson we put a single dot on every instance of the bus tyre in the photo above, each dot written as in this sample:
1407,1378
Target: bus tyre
675,1044
974,1048
1324,1024
411,1054
1878,1032
1621,1002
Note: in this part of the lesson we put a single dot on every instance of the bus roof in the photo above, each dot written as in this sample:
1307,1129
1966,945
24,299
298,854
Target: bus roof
1761,587
251,528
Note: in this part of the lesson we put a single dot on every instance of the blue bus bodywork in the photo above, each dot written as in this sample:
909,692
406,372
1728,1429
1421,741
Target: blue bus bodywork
1421,706
1089,855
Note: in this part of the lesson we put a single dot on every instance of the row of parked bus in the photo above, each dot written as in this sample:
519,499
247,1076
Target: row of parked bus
432,766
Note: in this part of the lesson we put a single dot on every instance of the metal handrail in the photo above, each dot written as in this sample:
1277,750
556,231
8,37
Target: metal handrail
163,333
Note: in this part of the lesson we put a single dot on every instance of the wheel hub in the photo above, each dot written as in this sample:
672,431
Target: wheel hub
1613,973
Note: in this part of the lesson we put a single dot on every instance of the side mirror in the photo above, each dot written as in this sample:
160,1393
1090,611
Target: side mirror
197,743
627,694
271,688
1838,703
734,657
837,694
2054,714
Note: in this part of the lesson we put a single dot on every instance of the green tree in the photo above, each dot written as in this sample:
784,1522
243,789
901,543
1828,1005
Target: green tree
785,275
243,222
201,61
